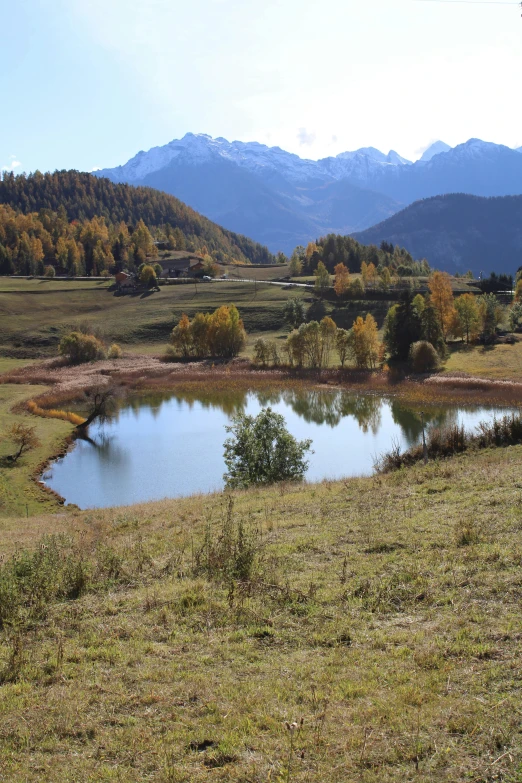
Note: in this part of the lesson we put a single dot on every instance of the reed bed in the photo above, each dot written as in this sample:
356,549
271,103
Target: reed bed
146,373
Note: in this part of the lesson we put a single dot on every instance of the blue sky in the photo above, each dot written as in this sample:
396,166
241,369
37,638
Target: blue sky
88,83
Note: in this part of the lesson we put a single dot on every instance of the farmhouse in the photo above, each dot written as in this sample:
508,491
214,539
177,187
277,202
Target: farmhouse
187,266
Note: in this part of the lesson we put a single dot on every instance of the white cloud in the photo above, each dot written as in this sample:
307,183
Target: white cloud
13,164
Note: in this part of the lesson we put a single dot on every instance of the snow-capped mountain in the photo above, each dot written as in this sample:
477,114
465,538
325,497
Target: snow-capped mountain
435,149
195,149
282,200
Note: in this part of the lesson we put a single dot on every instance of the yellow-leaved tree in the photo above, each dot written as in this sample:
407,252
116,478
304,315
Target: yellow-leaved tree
342,280
364,342
220,334
441,297
467,316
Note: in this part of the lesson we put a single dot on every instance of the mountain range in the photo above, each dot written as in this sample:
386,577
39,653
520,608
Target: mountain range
282,200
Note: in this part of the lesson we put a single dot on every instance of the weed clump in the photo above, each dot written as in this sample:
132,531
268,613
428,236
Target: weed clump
231,553
448,441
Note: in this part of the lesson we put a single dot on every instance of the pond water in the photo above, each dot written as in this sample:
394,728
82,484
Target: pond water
158,447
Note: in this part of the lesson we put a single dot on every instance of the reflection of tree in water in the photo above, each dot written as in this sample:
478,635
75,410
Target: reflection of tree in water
107,451
410,420
325,407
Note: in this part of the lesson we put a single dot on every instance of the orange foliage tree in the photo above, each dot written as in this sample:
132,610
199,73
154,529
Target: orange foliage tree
441,297
342,279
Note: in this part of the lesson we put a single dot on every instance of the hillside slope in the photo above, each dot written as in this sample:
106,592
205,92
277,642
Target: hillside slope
85,196
457,232
382,612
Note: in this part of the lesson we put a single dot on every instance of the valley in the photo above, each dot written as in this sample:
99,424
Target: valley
260,392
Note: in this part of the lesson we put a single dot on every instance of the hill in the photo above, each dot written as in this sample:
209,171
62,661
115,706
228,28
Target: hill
83,196
384,612
283,200
457,232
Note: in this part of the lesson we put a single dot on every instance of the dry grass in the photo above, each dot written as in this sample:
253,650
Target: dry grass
384,612
500,362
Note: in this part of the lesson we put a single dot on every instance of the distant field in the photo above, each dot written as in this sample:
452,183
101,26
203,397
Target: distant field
35,313
495,361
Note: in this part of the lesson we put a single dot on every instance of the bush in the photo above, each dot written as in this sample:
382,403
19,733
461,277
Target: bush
105,273
423,357
49,271
447,441
78,348
115,352
24,437
262,451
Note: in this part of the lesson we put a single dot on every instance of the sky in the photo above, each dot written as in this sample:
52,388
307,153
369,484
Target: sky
86,84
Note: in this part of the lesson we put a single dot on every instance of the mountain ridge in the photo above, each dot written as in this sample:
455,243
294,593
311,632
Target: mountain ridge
287,200
456,232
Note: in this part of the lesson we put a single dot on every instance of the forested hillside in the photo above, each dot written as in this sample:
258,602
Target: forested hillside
458,232
82,197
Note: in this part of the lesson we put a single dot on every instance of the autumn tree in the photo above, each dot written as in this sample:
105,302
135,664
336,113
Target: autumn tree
468,316
219,334
342,280
181,337
24,438
364,342
141,240
342,344
368,273
79,348
441,296
199,334
385,278
328,331
296,265
210,268
148,276
322,278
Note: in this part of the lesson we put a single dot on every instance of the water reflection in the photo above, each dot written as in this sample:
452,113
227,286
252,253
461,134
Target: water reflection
161,445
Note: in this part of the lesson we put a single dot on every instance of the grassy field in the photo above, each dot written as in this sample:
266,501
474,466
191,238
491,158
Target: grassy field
19,494
496,361
35,313
172,641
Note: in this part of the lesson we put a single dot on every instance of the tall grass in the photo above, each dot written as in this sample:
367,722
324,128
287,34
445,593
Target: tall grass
53,413
447,441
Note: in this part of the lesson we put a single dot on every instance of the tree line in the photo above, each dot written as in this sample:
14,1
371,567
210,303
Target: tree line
39,243
334,249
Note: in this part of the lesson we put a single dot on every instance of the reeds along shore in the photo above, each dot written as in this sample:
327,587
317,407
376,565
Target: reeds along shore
68,384
448,441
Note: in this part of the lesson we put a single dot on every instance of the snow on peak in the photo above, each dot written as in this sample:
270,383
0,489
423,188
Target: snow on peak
436,148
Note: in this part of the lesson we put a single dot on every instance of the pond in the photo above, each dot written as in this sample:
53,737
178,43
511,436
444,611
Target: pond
172,446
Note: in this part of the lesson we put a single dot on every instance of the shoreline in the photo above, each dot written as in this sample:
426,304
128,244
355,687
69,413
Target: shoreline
141,373
133,376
